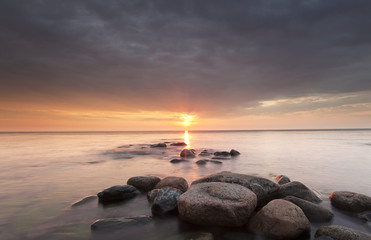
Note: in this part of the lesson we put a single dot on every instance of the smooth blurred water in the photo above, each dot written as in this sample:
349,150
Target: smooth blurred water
43,173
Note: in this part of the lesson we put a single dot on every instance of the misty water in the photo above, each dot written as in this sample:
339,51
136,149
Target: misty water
42,174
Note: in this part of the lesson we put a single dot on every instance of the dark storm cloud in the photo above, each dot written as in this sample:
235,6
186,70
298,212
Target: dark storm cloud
200,56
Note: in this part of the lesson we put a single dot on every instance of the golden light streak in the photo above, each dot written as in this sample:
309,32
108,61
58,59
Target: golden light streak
186,139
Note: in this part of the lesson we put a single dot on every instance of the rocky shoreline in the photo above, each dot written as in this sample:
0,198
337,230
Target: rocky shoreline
282,210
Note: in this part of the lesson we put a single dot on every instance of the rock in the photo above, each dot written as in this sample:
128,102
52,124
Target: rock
179,144
280,219
158,145
151,195
117,193
350,201
299,190
214,161
176,160
221,158
234,153
314,212
110,224
187,153
270,188
222,154
201,162
174,182
217,204
365,216
83,201
200,236
165,201
282,179
341,233
204,153
144,183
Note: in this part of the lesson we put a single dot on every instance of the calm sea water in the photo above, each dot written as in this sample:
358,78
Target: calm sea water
42,174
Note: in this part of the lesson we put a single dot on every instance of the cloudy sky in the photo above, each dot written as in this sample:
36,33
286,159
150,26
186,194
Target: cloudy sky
148,65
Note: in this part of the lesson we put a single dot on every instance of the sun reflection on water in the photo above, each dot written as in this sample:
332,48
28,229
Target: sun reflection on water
186,139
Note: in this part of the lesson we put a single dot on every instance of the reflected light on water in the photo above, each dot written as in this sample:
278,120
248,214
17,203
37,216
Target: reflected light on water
186,139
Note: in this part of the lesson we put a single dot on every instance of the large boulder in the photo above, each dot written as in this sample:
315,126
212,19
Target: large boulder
280,219
314,212
217,204
117,193
111,224
282,179
144,183
299,190
187,153
350,201
266,192
341,233
165,200
174,182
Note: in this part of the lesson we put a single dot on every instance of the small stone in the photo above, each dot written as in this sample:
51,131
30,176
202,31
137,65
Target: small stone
144,183
187,153
341,233
222,154
174,182
176,160
234,153
201,162
117,193
282,179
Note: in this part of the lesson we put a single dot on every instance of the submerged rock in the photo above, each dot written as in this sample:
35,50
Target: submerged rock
280,219
174,182
217,204
111,224
144,183
177,160
187,153
351,201
234,153
165,200
179,144
204,153
83,201
222,154
299,190
282,179
117,193
214,161
158,145
201,162
341,233
267,190
314,212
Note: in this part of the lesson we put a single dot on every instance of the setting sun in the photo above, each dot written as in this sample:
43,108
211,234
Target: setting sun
186,123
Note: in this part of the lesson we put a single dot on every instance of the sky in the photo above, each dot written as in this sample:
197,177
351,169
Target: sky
152,65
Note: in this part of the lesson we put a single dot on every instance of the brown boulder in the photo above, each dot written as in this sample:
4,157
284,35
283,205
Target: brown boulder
299,190
350,201
144,183
174,182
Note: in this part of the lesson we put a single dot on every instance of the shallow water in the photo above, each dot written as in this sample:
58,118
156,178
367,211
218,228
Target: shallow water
42,174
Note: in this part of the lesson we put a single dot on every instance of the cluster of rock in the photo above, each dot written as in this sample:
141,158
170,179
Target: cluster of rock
187,154
282,210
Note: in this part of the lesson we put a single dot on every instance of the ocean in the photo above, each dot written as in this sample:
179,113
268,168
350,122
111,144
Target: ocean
42,174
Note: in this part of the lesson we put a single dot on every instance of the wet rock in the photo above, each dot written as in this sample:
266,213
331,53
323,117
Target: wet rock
201,162
341,233
151,195
351,201
282,179
83,201
280,219
174,182
117,193
179,144
165,200
234,153
187,153
111,224
270,188
158,145
217,204
222,154
314,212
299,190
144,183
177,160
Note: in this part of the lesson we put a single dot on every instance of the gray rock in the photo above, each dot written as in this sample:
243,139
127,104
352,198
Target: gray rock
166,200
158,145
234,153
280,219
365,216
282,179
217,204
111,224
83,201
174,182
314,212
350,201
187,153
179,144
341,233
117,193
177,160
144,183
201,162
151,195
299,190
270,188
222,154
